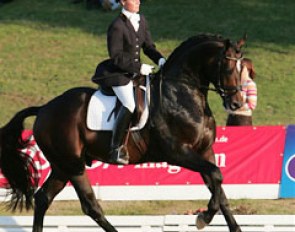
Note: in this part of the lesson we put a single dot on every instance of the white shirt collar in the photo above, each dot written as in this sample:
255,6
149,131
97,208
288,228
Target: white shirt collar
129,14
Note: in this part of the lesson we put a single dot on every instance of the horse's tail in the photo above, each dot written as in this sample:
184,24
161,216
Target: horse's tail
17,167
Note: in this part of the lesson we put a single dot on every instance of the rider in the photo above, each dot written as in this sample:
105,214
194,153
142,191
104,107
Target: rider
127,34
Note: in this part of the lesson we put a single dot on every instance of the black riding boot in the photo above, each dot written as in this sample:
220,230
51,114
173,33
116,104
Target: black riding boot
118,155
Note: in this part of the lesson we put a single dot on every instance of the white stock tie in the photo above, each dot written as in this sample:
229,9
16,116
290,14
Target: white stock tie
134,19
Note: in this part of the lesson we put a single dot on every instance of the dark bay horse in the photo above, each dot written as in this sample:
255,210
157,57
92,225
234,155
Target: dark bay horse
180,131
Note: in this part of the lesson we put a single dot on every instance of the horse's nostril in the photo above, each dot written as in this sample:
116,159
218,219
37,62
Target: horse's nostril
235,105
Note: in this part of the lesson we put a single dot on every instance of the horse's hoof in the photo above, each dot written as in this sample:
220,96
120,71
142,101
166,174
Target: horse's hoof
200,221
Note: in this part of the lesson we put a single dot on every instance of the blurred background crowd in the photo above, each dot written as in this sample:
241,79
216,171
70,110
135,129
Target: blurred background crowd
107,5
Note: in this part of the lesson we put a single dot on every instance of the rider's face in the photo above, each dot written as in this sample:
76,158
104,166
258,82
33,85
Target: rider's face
131,5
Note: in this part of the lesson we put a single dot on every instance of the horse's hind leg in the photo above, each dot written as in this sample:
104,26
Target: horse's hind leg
89,203
44,197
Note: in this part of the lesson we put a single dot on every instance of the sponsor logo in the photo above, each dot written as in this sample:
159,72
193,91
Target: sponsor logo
221,139
220,160
290,168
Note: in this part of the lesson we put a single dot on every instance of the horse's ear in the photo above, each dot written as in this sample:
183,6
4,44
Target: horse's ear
242,41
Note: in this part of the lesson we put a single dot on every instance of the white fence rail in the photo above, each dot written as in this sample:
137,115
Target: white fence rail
167,223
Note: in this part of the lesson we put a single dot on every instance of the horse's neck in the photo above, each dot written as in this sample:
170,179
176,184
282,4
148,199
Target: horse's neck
185,71
182,74
194,64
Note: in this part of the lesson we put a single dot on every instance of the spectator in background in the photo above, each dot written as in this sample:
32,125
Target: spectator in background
243,115
107,5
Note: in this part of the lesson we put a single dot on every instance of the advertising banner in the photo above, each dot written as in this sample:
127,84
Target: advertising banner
287,189
245,155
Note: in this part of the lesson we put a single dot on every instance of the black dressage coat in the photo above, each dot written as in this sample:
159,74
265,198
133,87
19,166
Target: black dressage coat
124,46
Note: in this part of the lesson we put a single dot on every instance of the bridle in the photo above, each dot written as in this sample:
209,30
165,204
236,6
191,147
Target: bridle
226,91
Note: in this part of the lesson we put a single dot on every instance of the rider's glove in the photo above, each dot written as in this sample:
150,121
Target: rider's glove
146,69
161,62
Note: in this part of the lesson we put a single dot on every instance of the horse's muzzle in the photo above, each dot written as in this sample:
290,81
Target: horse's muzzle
231,104
235,105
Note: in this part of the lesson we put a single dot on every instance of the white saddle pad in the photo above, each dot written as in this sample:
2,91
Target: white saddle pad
100,108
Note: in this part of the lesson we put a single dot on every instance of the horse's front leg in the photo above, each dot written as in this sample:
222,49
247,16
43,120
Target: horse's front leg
231,222
224,205
89,203
200,163
215,177
44,197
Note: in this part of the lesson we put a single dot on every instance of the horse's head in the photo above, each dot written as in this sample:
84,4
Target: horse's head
229,83
205,59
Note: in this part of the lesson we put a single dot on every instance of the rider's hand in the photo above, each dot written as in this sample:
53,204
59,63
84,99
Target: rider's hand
161,62
146,69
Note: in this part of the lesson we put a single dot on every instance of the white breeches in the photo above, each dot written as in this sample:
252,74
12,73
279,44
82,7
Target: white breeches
125,94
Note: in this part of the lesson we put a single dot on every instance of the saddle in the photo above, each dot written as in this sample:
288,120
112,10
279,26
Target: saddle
139,85
104,106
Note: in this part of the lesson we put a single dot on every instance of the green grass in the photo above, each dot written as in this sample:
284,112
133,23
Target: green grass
243,206
47,47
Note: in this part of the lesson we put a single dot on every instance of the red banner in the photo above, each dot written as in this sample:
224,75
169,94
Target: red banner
245,155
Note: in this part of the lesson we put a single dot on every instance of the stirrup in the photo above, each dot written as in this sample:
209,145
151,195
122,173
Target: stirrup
119,156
